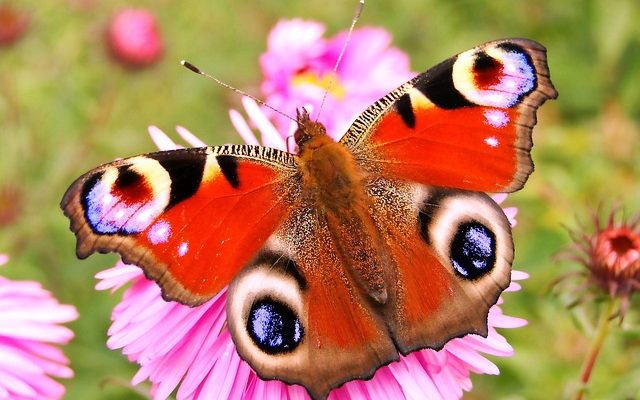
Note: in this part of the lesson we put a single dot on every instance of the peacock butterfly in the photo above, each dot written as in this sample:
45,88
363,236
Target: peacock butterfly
348,253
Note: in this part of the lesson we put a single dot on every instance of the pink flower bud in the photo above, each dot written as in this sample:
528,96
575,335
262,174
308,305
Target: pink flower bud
611,254
134,38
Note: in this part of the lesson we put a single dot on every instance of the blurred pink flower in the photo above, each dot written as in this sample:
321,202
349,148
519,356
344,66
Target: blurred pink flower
13,24
134,39
190,348
298,66
30,329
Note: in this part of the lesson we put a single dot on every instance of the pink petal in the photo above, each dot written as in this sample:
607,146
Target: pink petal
14,358
513,287
16,385
116,277
189,137
242,128
499,197
36,331
472,358
504,321
270,136
161,140
29,318
519,275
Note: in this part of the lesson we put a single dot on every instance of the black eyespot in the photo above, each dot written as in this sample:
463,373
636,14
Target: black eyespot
473,250
127,178
483,62
274,327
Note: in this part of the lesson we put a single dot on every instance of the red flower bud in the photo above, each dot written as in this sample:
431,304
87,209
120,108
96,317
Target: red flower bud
13,24
611,254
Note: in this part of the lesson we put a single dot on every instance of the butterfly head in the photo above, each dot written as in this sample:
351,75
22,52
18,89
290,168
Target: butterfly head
307,129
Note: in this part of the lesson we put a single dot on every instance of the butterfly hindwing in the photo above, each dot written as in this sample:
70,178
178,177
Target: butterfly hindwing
452,252
297,314
465,123
191,218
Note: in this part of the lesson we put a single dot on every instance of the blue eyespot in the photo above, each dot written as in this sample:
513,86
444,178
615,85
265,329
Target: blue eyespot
274,327
473,250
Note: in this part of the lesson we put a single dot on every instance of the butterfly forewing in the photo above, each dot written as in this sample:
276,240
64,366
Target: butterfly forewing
465,123
190,218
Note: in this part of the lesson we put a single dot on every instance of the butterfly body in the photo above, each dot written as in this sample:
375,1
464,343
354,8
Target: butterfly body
335,187
341,257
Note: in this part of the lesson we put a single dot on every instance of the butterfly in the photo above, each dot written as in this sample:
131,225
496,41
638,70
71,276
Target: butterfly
347,254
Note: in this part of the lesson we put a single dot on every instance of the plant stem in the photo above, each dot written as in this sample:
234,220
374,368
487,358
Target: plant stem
602,330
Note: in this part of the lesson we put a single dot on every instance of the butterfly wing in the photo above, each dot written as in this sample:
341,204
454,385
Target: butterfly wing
297,315
191,218
428,149
453,252
465,123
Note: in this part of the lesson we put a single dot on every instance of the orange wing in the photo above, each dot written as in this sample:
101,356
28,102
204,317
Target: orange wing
190,218
297,314
465,123
452,252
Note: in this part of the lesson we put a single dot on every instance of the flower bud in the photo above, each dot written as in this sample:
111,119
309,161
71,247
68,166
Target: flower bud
13,24
134,38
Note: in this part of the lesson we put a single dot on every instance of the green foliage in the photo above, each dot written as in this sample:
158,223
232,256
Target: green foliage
65,107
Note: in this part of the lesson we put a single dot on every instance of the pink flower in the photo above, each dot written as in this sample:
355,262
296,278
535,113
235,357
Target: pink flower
13,24
134,38
190,348
298,66
30,329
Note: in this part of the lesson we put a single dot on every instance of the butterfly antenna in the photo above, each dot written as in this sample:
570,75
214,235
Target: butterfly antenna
355,19
198,71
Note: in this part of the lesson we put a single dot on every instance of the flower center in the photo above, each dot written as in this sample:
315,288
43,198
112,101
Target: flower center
621,244
322,81
620,248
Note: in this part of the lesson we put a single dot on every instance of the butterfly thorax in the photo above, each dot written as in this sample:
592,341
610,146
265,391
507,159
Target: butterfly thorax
335,185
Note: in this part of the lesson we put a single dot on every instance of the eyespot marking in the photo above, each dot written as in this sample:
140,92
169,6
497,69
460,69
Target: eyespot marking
473,250
486,70
123,199
130,186
273,327
496,76
93,198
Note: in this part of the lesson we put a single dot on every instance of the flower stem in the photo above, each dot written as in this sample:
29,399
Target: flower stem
602,330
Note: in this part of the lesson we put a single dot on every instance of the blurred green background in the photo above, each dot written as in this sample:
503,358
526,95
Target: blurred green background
66,107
